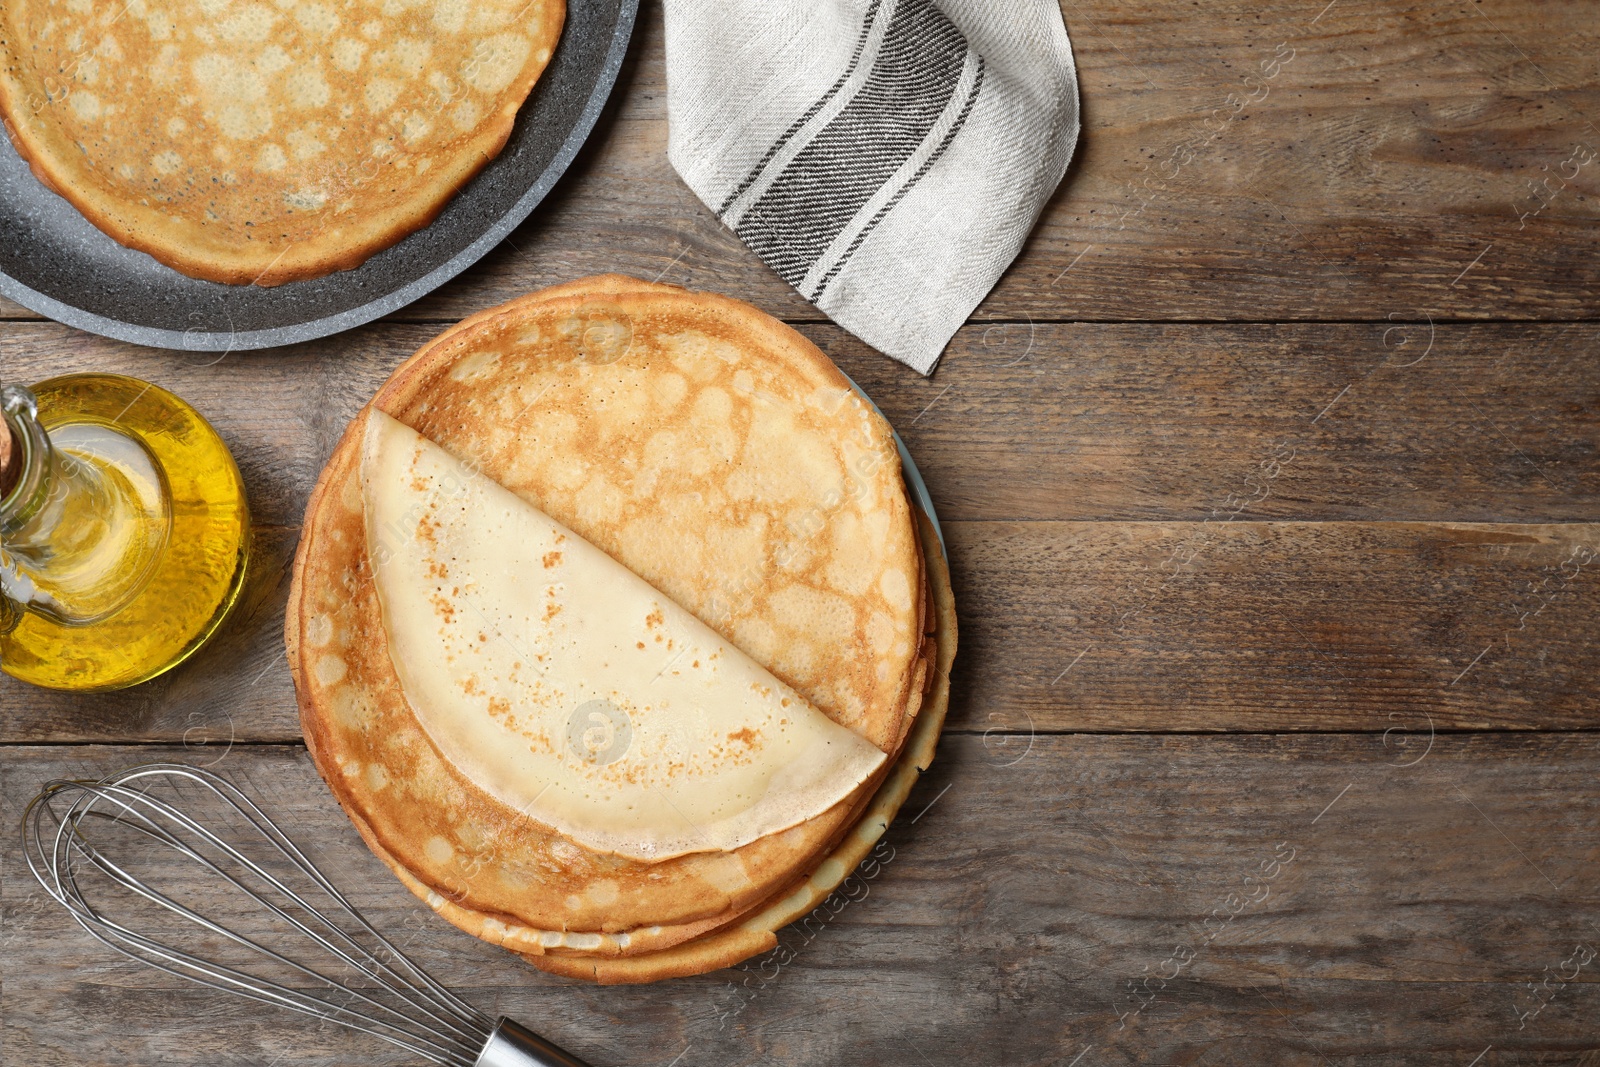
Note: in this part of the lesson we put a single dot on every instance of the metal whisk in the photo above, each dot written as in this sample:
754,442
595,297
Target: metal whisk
86,840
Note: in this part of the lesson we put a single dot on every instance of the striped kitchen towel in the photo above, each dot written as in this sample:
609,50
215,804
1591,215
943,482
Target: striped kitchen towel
886,157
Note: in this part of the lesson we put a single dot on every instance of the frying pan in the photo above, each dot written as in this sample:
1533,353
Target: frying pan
55,262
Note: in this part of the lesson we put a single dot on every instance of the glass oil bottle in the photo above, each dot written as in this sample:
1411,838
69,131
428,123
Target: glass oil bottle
124,531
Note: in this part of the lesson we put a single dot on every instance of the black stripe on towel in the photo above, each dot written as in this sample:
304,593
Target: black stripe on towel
788,135
832,178
950,135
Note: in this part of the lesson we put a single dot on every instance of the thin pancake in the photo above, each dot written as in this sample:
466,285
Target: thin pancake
756,932
714,452
470,392
266,142
642,955
568,688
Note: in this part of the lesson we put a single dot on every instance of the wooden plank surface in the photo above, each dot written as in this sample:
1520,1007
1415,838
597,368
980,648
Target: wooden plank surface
1305,161
1104,626
1198,900
1479,423
1138,494
1276,626
1270,473
1358,182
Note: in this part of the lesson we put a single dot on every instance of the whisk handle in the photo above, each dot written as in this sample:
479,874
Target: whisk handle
514,1045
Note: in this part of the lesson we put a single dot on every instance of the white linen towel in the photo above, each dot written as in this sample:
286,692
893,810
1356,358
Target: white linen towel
886,157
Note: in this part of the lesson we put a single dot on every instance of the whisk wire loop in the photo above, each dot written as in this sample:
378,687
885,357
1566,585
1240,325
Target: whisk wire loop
407,1007
374,968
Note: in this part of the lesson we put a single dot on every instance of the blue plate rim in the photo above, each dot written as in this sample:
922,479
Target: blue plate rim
908,467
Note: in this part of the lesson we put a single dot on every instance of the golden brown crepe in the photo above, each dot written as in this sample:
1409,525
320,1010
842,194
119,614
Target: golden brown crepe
756,931
266,141
675,952
712,451
567,687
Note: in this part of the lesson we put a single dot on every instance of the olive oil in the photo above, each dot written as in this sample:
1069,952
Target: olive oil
133,545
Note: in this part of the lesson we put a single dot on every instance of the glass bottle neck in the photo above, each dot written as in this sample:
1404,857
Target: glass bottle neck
21,506
31,512
78,537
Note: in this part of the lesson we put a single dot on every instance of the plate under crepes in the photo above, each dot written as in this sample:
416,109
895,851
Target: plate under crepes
55,262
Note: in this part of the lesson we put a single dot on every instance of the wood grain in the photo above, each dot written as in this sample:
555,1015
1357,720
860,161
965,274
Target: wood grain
235,689
1494,422
1275,626
1374,515
1163,475
1083,421
1382,159
1198,900
1106,626
1360,178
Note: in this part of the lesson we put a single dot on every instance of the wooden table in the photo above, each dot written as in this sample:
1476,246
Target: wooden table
1270,477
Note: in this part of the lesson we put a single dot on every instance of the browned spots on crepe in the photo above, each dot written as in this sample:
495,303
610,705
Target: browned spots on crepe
777,515
266,140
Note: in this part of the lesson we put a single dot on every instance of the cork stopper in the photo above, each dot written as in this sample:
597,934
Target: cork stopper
10,458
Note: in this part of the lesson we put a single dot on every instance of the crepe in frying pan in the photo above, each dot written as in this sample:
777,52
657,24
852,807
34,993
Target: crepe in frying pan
249,141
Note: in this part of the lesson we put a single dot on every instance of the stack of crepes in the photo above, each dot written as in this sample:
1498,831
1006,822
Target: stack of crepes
615,631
